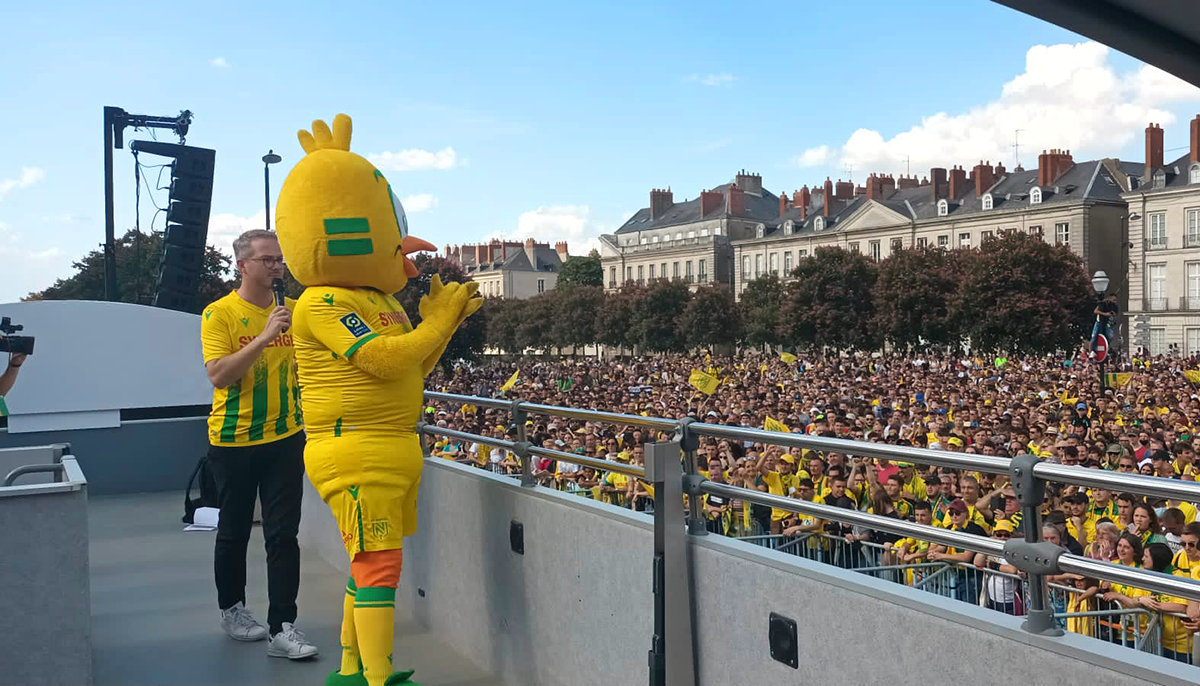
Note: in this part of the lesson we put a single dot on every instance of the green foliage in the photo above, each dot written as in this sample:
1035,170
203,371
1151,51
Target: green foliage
761,309
914,298
828,302
137,257
581,271
655,325
711,318
468,341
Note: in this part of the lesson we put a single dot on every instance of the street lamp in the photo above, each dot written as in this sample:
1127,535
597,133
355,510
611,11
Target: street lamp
1100,285
269,159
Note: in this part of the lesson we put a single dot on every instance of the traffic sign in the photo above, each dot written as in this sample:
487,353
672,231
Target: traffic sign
1101,347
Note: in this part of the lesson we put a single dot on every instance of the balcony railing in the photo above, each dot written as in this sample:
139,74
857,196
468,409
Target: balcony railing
1156,304
1189,302
1191,241
666,245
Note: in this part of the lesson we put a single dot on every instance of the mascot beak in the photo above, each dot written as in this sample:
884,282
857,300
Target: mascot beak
410,245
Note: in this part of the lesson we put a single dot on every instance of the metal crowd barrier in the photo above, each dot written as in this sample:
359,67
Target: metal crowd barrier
676,458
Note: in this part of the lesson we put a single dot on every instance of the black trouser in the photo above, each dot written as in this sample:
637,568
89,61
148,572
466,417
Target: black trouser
274,472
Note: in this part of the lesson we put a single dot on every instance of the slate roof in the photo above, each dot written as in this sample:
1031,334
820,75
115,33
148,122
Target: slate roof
1088,180
764,207
545,260
1176,175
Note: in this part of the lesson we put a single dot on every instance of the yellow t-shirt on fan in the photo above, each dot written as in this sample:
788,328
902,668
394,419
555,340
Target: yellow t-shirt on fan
264,405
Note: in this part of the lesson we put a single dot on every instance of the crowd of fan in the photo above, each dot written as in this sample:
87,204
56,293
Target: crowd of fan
1052,407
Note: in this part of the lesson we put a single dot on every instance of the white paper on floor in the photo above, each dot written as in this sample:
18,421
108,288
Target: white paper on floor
204,519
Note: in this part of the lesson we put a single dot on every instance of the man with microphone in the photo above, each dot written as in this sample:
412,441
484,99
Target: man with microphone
256,443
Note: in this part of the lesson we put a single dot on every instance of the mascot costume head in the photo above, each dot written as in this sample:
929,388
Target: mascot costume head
361,369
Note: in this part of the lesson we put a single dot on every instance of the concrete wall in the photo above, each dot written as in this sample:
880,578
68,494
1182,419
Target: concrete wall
576,608
46,599
130,356
138,457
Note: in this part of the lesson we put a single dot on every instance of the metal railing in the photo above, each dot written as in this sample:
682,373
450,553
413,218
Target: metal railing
1028,474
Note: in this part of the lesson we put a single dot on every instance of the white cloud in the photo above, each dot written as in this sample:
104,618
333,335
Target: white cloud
814,157
422,202
223,228
1069,97
551,224
219,63
25,269
46,254
722,79
416,160
28,177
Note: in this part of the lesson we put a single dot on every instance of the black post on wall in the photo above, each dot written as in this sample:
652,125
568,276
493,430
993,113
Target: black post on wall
115,121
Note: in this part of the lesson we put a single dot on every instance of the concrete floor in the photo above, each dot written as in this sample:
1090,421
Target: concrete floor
155,620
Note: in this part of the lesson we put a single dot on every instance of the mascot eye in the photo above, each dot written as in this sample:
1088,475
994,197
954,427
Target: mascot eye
398,210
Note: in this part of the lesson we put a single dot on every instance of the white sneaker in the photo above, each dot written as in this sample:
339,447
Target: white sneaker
291,644
241,625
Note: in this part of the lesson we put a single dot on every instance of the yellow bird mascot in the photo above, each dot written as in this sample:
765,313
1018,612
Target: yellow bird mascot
362,368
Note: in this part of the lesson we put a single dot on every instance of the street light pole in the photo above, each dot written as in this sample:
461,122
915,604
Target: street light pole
268,159
1100,285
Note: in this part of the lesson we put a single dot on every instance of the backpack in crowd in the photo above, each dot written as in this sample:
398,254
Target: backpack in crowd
207,487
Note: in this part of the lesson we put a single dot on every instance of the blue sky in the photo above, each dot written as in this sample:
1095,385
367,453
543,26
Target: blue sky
550,120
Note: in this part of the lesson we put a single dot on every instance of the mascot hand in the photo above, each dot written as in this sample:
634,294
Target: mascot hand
446,305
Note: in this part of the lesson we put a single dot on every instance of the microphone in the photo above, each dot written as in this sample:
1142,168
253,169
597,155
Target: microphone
278,289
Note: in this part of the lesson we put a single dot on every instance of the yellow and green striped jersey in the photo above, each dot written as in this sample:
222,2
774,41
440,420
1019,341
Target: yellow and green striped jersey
264,405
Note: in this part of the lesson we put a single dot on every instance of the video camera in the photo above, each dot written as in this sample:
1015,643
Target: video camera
14,344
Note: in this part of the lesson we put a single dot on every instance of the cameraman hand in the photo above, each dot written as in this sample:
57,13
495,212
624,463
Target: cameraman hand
16,360
279,321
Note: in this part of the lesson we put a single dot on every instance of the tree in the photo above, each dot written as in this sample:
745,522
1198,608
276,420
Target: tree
574,321
761,310
614,321
137,257
829,302
581,271
533,327
711,317
914,298
467,342
655,324
1021,294
500,319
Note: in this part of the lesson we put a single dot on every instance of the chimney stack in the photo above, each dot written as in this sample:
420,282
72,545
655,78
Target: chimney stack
958,182
888,184
660,202
735,202
479,255
561,248
783,204
1053,163
1154,150
749,183
984,178
999,171
843,190
907,182
709,201
1195,126
802,199
874,190
530,245
937,183
827,197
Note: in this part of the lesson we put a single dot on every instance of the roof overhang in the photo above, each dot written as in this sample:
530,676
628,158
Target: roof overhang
1165,33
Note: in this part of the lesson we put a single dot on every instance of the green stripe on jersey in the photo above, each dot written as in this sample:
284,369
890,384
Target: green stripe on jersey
281,425
258,412
233,396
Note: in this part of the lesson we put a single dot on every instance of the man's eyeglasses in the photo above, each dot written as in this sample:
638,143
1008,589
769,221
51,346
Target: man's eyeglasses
267,261
1190,544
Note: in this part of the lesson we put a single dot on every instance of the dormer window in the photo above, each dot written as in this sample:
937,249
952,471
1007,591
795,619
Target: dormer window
1194,174
819,224
1035,196
679,235
787,228
1160,178
657,238
987,201
943,208
758,231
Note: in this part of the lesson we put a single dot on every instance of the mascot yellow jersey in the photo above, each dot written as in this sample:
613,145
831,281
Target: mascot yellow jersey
361,371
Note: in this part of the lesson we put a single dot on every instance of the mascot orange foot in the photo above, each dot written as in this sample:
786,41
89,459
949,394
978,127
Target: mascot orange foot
362,368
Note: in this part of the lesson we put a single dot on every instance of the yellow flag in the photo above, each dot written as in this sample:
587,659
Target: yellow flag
787,358
1193,375
705,383
762,369
1116,380
512,381
772,425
